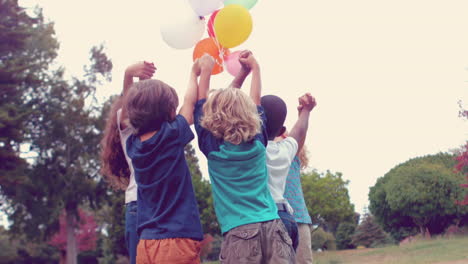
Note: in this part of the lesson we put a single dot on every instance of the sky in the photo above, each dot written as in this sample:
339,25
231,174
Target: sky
387,75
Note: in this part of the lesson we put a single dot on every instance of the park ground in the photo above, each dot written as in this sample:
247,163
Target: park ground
437,250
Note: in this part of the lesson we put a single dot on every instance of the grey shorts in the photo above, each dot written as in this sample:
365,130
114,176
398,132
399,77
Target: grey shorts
263,243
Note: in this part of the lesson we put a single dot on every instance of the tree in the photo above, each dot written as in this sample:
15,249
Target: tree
202,193
418,194
327,199
344,235
27,48
65,134
85,233
462,167
462,159
370,234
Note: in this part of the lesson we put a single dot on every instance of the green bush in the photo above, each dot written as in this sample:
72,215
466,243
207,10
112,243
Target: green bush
323,240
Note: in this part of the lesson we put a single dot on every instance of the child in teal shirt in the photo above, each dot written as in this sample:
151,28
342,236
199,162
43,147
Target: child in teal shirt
232,135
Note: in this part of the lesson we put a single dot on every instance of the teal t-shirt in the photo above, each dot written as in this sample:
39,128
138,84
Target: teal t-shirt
239,176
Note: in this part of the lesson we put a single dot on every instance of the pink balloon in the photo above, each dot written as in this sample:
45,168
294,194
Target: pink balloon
232,63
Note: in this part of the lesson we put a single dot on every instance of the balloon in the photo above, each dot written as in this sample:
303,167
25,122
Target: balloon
233,25
209,46
184,29
205,7
210,24
245,3
231,61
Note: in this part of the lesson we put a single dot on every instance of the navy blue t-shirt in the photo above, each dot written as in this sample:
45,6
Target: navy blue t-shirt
167,207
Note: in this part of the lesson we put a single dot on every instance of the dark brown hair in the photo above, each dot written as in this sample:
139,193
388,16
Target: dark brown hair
275,112
149,104
114,165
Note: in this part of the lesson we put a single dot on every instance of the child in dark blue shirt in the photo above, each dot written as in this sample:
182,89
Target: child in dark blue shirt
168,220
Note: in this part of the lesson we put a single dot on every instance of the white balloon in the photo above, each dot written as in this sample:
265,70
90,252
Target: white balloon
183,29
205,7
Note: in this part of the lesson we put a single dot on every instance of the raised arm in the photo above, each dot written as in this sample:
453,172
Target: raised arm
206,66
143,70
299,130
201,67
243,72
248,61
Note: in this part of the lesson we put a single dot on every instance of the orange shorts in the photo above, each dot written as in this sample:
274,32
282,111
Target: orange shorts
170,250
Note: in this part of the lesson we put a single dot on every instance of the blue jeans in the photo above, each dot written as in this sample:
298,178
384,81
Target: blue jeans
131,237
291,227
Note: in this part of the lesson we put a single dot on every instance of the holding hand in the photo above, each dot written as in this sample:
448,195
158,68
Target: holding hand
196,68
206,63
143,70
306,103
247,61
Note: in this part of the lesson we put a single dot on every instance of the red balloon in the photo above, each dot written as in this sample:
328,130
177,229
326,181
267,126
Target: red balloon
210,24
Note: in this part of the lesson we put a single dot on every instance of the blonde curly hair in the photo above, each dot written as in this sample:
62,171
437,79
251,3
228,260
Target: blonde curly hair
231,115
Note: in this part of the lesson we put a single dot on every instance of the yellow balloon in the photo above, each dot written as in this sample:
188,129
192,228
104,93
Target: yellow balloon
233,25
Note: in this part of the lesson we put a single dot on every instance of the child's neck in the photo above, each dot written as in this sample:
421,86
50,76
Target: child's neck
147,135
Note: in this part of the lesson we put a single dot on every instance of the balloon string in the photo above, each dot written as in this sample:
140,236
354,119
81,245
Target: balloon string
221,52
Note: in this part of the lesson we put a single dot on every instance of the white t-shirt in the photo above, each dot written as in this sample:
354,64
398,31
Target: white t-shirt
279,158
131,192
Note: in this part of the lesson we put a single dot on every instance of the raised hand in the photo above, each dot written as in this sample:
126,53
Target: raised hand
143,70
247,60
206,63
306,103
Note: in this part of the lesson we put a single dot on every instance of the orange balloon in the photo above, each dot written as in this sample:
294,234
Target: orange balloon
209,46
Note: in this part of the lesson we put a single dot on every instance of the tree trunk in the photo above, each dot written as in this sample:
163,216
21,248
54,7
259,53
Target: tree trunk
427,234
422,230
63,257
72,253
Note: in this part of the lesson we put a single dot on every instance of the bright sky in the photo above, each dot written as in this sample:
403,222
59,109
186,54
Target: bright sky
387,75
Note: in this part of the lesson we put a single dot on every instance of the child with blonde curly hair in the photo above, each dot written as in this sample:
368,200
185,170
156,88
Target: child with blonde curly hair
231,133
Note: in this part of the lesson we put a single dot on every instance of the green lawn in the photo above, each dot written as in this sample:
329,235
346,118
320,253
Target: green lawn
438,250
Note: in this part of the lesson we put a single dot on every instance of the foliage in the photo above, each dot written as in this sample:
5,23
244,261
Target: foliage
370,234
322,240
327,199
27,48
203,194
343,235
85,232
64,175
113,219
418,194
21,251
57,118
462,167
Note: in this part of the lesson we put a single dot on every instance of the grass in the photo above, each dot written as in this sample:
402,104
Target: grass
438,250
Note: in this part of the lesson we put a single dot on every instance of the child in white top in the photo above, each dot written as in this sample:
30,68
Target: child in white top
281,154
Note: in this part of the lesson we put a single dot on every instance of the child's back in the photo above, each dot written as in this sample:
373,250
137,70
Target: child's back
231,133
280,154
167,205
238,175
169,225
